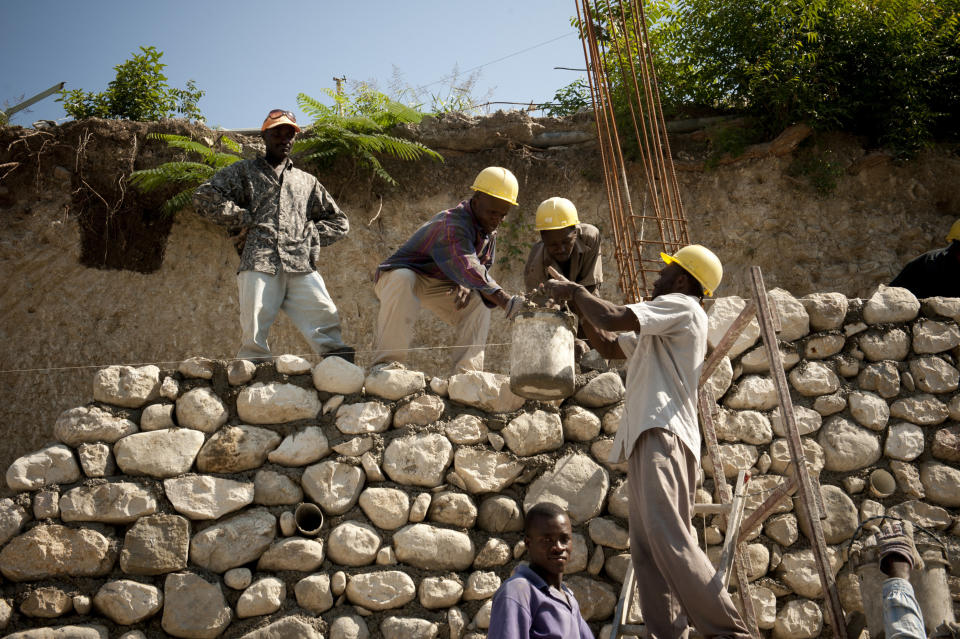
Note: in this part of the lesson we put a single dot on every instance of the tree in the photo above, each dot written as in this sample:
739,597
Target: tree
138,92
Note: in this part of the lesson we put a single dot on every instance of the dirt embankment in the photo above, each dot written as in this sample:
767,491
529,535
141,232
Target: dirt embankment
94,274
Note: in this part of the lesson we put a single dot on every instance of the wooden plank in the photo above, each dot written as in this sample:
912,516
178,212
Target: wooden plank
782,491
726,342
808,500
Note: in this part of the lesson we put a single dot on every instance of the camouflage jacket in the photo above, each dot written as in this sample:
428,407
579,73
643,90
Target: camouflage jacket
287,218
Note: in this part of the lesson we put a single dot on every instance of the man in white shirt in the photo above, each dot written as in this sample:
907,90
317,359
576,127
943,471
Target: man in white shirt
665,341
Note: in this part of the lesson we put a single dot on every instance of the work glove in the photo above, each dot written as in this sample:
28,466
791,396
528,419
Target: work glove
514,306
896,538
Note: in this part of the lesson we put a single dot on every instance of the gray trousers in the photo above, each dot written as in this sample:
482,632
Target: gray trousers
302,296
676,583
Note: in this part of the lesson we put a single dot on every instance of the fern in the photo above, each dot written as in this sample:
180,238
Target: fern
185,175
358,128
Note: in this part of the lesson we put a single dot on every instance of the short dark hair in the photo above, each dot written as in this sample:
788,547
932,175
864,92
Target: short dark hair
540,511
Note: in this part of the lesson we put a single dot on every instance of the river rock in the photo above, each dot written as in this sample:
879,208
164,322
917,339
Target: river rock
941,306
576,483
119,503
780,458
485,471
193,608
234,449
946,444
431,548
924,410
499,514
46,603
337,376
825,310
606,532
869,410
794,320
814,378
882,377
489,392
908,479
420,507
96,460
495,552
734,457
408,628
454,509
276,403
238,578
749,426
365,417
270,488
420,459
240,371
721,315
333,485
353,544
941,483
234,541
155,545
756,360
387,508
158,453
157,417
201,409
603,390
889,305
466,429
932,336
481,585
824,346
893,344
752,392
206,497
127,602
933,375
924,514
798,570
533,433
904,441
313,593
12,518
440,592
798,619
127,386
579,424
261,598
808,421
381,590
394,383
54,464
51,551
90,424
349,627
419,411
782,529
841,520
301,448
847,446
756,558
597,598
286,628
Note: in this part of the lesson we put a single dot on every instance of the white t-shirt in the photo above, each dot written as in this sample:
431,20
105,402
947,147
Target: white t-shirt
664,362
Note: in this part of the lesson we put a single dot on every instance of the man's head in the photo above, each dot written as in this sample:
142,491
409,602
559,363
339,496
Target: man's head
495,192
278,131
549,538
693,270
558,224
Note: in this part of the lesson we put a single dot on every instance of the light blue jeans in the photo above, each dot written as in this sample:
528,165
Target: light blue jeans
302,296
902,618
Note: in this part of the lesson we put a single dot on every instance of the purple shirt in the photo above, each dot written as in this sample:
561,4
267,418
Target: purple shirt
451,246
525,607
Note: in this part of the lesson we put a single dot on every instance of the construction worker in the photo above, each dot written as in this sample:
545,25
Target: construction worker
935,273
566,244
534,603
445,267
665,341
283,217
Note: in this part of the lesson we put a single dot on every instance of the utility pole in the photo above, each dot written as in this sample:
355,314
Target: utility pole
339,82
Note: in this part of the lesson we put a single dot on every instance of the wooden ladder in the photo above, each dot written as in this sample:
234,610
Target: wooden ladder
731,506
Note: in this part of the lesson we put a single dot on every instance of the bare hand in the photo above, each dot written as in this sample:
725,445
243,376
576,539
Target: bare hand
462,294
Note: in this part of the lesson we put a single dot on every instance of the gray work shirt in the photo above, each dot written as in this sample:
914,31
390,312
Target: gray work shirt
665,358
289,215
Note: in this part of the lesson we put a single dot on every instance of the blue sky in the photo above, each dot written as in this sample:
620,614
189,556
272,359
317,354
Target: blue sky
250,57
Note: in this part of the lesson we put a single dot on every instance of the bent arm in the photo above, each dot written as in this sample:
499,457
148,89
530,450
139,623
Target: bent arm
331,223
221,199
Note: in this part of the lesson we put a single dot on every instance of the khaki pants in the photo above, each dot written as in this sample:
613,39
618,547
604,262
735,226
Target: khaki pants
676,582
401,293
302,296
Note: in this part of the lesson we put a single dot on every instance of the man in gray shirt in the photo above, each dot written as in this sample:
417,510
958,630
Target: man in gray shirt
285,216
665,341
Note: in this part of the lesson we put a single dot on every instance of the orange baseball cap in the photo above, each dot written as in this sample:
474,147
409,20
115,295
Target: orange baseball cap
279,117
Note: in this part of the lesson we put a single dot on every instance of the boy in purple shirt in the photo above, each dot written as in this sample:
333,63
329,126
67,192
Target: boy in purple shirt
533,603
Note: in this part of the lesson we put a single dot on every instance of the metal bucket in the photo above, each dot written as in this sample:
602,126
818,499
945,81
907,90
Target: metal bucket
541,357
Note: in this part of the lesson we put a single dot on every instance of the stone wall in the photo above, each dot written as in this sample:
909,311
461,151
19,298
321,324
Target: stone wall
166,504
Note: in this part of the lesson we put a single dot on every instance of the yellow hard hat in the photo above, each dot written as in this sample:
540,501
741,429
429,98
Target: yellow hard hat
556,213
498,182
700,262
954,233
